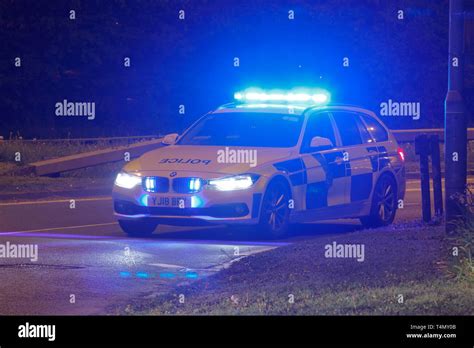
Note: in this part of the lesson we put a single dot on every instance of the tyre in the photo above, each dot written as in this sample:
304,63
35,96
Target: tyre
137,228
275,213
384,203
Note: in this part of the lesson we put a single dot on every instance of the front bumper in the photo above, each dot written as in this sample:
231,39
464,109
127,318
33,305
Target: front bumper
206,207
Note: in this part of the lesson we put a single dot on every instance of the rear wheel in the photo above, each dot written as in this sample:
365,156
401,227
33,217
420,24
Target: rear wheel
384,203
137,228
275,213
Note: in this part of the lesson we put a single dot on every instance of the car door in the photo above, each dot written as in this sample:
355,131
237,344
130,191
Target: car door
360,154
325,168
380,146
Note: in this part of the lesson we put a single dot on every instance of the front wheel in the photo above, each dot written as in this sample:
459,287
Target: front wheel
137,228
384,203
275,213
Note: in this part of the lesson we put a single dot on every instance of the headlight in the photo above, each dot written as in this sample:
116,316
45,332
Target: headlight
238,182
127,181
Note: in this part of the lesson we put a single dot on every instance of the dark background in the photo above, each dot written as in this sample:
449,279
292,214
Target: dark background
190,62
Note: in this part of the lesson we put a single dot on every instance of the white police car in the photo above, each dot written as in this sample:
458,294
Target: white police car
267,160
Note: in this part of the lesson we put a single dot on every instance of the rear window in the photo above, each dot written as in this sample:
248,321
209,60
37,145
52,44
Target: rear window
375,129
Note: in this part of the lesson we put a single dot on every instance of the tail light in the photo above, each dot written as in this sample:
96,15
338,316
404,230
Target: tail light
401,154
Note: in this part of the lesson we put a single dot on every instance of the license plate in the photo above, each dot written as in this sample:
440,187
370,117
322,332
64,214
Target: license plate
160,201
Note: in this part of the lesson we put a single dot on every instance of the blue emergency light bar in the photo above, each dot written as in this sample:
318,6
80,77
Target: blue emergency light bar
295,96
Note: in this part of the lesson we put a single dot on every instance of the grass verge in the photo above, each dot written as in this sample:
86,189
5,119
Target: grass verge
11,185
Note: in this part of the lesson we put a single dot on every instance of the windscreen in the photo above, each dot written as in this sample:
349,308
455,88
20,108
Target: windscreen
245,129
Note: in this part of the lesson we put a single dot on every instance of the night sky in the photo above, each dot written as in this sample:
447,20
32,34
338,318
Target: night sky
191,61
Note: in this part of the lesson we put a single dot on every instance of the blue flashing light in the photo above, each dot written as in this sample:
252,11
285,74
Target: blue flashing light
143,200
141,275
196,202
276,106
167,275
150,184
306,96
125,274
191,275
194,184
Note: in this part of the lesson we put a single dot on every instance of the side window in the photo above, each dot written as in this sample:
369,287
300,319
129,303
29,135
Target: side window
377,131
364,133
348,128
319,125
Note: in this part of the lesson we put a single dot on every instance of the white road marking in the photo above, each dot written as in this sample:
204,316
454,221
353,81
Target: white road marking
415,190
58,228
167,265
58,201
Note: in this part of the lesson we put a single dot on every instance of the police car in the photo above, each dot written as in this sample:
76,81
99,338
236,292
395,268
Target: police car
267,160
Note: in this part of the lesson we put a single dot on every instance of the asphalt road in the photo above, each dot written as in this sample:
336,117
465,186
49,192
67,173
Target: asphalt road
86,265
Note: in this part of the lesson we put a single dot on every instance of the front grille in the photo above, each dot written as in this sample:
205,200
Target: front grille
160,184
187,185
157,184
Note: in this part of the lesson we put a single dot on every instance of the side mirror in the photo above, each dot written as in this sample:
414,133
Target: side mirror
320,142
170,139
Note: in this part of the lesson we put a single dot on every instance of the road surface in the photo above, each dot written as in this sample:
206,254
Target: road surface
86,265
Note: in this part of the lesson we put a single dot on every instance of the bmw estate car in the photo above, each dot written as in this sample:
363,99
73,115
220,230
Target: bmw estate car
268,164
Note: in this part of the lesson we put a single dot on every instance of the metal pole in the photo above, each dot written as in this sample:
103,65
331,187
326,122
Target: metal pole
422,148
425,188
455,117
436,169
